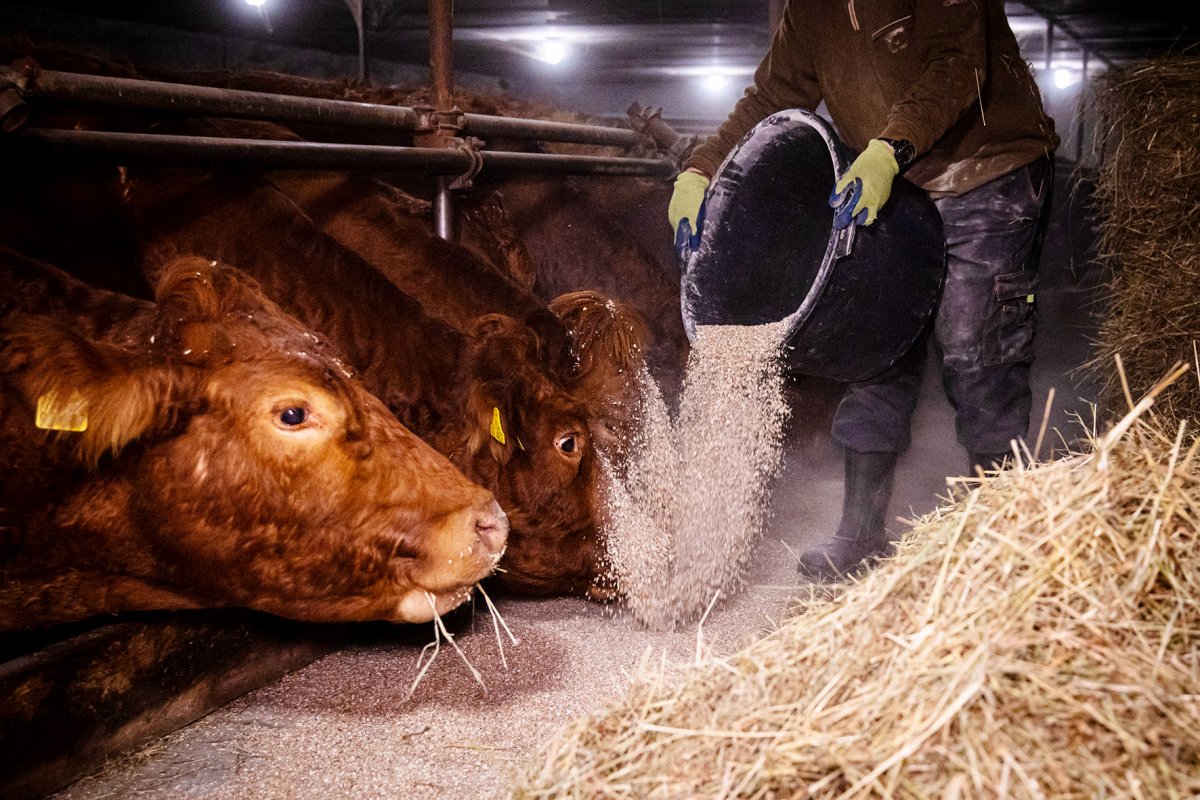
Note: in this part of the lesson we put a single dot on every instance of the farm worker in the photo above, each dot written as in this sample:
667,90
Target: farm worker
935,90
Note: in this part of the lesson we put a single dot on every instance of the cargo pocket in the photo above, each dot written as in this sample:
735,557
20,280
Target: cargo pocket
1012,320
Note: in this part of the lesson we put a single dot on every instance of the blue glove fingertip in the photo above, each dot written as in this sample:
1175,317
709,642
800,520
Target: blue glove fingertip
695,241
845,212
683,235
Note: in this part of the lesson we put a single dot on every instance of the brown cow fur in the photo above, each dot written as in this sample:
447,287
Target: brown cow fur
193,485
375,221
444,385
377,335
392,231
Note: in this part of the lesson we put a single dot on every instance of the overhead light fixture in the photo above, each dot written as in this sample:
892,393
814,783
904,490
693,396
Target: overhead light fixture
715,81
255,3
552,51
1064,78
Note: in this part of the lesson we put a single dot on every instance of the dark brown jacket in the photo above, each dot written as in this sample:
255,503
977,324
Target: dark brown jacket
944,74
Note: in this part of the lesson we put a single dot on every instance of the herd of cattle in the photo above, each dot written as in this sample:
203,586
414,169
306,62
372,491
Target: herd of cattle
281,391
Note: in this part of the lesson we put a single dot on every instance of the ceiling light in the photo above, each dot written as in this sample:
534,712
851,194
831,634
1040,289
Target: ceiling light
255,2
1064,78
715,81
552,51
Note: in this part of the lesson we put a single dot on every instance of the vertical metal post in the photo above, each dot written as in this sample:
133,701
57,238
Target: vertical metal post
356,11
441,68
443,210
1081,106
1049,45
441,52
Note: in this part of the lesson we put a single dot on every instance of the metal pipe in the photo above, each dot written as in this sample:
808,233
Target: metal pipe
650,123
1055,21
441,53
484,126
356,12
205,100
13,110
441,74
207,151
443,210
1080,106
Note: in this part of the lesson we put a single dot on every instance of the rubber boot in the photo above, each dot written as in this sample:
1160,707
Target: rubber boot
861,537
988,462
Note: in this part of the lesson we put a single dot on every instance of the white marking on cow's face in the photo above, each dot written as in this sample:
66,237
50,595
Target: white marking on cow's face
201,470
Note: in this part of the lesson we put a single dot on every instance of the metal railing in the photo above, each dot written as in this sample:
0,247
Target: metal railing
446,141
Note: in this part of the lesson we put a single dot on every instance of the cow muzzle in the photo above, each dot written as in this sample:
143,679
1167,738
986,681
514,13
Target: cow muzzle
491,529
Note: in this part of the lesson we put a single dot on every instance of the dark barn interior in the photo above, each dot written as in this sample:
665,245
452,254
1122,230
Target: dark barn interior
242,701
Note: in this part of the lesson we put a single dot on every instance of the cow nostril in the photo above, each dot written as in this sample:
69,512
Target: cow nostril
491,526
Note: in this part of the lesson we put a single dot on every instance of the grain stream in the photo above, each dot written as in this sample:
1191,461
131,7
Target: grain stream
689,500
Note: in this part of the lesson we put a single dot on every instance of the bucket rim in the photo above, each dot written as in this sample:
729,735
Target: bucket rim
840,242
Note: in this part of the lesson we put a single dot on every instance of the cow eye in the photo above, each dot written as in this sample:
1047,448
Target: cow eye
293,416
568,443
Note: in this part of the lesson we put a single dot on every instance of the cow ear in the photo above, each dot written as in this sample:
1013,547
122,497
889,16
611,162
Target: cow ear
492,438
504,352
607,337
190,304
200,302
490,327
90,390
498,364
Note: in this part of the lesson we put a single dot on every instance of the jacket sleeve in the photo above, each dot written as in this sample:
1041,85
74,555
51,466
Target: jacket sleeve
786,78
951,41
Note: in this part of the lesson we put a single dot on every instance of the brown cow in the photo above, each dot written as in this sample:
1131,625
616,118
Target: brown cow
392,231
547,233
207,450
489,399
609,339
524,375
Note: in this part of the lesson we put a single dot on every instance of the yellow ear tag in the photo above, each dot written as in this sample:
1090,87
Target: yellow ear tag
55,414
497,430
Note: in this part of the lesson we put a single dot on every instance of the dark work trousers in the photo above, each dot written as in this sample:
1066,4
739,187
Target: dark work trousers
982,331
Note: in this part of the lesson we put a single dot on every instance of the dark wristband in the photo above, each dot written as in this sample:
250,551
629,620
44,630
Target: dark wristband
903,150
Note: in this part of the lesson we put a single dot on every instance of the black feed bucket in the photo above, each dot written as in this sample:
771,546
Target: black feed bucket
855,299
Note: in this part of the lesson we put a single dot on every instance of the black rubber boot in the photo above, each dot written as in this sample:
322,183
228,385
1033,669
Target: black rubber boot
861,537
988,462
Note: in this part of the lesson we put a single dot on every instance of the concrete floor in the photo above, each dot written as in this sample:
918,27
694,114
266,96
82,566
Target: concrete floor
345,726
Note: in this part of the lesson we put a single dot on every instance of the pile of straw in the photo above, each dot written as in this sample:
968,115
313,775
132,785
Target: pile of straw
1147,196
1040,638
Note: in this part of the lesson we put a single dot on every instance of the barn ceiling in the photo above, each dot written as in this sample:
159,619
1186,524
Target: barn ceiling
623,39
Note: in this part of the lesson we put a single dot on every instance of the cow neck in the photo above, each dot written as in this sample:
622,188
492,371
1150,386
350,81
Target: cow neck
89,546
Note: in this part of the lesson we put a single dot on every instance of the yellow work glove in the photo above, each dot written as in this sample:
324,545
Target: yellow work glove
869,180
686,201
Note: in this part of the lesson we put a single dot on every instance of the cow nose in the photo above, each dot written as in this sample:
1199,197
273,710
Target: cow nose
491,526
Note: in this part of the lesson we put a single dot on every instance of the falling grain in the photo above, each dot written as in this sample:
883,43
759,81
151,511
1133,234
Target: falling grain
690,501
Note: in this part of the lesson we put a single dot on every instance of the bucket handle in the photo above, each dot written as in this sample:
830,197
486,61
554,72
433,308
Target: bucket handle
843,244
687,241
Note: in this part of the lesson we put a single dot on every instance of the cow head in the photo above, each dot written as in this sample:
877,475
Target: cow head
528,438
234,462
609,372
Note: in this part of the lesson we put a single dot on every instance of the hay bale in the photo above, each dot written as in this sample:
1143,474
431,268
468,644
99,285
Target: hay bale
1147,194
1038,639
